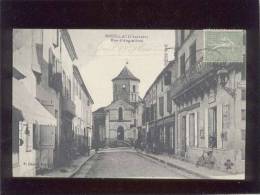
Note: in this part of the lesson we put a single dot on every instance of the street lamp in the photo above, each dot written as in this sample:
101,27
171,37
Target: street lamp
223,78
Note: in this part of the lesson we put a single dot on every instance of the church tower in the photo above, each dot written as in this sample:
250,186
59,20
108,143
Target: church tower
126,87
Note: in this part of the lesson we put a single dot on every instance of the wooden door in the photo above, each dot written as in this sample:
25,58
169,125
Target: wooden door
192,129
212,127
183,135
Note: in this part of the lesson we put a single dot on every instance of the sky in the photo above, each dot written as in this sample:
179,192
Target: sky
102,54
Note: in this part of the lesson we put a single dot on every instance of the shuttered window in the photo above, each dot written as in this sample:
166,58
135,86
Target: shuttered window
212,127
243,94
47,136
243,114
36,136
51,67
169,102
243,134
167,77
152,112
193,58
161,106
182,62
29,137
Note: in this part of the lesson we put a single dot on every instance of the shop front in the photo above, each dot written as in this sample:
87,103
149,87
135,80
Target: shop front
208,122
33,131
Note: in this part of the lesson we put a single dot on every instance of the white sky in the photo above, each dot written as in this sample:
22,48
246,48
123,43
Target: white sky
100,59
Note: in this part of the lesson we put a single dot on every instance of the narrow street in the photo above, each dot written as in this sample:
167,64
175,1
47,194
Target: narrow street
127,163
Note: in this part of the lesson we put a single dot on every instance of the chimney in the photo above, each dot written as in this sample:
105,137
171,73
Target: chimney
166,48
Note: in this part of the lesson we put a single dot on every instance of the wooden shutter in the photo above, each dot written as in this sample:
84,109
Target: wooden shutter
36,136
29,137
47,136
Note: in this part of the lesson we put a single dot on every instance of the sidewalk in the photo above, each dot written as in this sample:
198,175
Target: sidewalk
70,170
201,172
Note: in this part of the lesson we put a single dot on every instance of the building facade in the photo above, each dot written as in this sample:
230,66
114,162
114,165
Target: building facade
82,122
119,121
43,114
159,115
210,97
99,127
34,122
121,115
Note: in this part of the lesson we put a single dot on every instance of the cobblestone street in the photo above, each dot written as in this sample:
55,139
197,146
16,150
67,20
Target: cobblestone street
122,163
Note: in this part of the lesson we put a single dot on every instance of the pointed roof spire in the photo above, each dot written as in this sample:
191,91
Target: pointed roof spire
126,74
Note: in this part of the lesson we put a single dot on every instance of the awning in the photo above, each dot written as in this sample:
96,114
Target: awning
31,109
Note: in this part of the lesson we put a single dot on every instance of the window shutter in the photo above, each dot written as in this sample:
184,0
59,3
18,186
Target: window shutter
29,137
167,78
169,102
22,127
161,105
47,136
36,136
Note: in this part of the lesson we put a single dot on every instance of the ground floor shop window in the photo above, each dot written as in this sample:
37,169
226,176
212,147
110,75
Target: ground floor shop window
192,129
212,127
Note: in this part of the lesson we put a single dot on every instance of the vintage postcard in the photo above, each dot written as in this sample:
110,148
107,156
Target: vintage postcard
168,104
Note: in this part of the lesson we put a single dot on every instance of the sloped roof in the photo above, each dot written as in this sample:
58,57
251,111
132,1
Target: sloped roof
126,74
76,72
119,103
101,109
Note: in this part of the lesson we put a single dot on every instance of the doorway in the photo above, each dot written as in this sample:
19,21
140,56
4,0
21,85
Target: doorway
120,133
212,125
183,136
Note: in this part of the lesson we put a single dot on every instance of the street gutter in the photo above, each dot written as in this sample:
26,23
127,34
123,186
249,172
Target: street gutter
175,166
82,164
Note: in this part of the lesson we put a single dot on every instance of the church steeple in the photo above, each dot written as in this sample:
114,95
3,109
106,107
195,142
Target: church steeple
126,74
125,86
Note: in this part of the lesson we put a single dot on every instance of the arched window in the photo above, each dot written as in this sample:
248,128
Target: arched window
120,114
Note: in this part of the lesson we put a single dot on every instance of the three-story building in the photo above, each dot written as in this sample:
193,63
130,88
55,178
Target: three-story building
158,115
82,122
43,104
210,95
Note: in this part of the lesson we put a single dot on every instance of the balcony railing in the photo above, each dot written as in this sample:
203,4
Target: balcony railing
68,106
195,73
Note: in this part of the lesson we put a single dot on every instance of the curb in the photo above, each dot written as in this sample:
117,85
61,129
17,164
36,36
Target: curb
77,170
175,166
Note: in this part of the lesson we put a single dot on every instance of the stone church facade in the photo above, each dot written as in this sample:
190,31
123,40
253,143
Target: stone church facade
122,116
